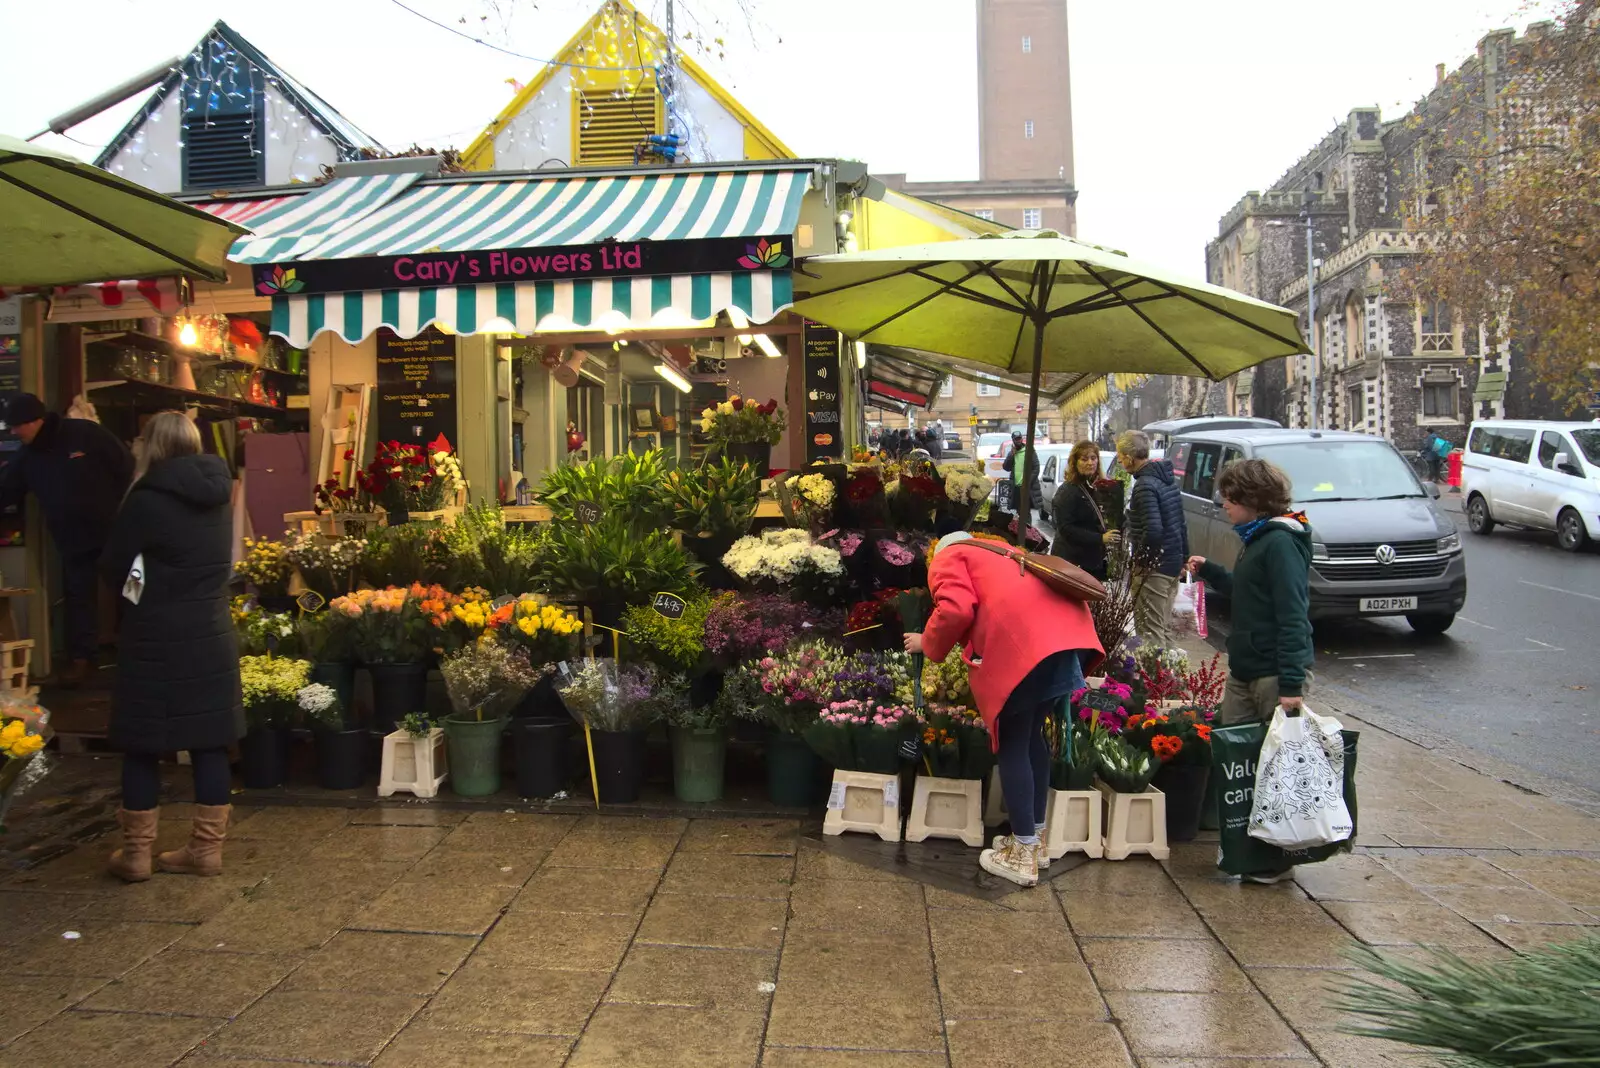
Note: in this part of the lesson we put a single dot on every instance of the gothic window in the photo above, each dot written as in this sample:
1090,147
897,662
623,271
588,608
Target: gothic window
1434,327
1354,329
1354,405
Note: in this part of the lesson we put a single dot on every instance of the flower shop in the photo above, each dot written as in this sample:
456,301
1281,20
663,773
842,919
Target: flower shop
686,634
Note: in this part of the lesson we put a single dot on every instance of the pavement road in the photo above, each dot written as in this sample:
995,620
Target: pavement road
1517,677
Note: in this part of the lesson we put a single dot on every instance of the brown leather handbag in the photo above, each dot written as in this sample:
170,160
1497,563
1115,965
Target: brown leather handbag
1062,576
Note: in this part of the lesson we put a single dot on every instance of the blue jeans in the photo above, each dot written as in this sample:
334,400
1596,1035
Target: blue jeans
1024,756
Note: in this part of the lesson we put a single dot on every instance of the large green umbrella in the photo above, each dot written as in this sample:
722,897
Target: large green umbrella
65,222
1032,301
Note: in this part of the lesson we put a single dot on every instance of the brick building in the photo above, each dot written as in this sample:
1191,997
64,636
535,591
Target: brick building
1397,368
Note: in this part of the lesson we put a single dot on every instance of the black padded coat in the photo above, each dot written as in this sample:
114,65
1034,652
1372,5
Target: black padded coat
177,661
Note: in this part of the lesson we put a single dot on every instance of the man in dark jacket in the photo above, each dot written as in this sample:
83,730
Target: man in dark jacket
1157,535
78,471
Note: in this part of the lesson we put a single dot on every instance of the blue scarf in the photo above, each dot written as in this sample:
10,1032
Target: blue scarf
1246,531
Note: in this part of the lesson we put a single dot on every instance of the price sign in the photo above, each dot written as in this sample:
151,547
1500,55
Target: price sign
669,605
1100,701
310,601
911,748
586,511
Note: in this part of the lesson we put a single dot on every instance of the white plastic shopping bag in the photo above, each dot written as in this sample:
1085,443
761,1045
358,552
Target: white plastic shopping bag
1184,605
1299,795
133,586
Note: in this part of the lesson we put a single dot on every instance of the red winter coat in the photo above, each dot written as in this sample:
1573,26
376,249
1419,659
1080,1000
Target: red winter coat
1007,619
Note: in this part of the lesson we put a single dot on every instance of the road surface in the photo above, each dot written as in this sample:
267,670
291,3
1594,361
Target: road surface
1517,677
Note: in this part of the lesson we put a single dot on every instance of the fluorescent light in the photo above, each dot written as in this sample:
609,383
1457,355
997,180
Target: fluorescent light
764,343
497,325
861,354
674,377
740,322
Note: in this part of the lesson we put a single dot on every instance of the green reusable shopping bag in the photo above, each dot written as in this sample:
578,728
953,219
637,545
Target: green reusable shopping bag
1234,753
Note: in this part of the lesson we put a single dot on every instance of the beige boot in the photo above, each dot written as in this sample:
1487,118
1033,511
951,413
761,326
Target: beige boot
203,854
131,863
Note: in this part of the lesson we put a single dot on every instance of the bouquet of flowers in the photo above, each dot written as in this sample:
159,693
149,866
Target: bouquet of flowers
486,678
272,686
263,633
901,560
738,420
782,558
965,489
447,472
914,499
812,497
401,478
326,564
1180,737
793,686
874,623
672,644
872,677
547,633
944,683
265,565
955,743
1112,496
606,696
861,735
864,502
1103,715
738,628
387,625
319,705
24,730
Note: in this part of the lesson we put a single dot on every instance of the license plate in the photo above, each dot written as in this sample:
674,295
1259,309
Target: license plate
1388,604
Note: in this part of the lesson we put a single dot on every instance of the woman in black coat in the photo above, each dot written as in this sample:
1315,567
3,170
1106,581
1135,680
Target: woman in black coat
178,662
1081,534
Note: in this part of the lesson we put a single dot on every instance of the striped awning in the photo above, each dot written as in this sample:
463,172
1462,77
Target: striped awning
242,211
459,215
600,303
293,228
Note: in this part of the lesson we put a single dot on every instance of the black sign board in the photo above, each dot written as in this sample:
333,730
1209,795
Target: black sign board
586,511
12,520
1100,701
609,259
821,423
310,601
417,388
669,605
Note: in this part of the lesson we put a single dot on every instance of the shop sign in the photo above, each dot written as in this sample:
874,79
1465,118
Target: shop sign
820,347
417,388
610,259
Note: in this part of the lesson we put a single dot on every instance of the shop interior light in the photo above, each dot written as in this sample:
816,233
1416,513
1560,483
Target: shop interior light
765,344
674,377
845,217
861,354
740,322
187,334
498,325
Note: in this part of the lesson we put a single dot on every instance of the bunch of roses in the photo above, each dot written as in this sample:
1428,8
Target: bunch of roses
879,608
738,420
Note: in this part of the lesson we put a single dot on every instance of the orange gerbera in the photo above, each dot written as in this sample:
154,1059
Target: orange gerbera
1203,731
1166,747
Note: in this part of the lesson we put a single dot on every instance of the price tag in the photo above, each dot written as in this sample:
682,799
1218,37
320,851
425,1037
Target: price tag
1100,701
566,672
310,601
836,796
891,794
911,748
669,605
500,602
586,511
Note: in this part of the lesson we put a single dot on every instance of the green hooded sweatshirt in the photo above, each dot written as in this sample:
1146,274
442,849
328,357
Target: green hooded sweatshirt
1270,587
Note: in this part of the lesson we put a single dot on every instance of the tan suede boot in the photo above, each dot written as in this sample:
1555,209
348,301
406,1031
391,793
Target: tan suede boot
131,863
203,854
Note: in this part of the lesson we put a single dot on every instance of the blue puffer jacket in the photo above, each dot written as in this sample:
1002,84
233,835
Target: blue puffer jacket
1155,518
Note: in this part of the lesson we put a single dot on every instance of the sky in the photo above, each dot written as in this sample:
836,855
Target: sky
1179,107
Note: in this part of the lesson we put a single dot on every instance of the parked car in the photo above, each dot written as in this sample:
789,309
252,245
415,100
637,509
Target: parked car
991,449
1534,473
1164,430
1381,545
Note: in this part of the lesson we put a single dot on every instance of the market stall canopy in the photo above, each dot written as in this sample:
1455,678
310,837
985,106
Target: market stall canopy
362,252
898,384
63,222
995,300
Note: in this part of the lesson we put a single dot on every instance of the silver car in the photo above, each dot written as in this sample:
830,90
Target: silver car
1380,545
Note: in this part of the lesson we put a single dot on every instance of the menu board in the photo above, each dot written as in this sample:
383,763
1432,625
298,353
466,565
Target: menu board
417,388
820,349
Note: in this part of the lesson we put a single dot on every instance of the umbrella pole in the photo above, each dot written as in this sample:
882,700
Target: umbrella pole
1025,495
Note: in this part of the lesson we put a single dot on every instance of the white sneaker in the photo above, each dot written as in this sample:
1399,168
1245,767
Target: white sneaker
1041,856
1015,862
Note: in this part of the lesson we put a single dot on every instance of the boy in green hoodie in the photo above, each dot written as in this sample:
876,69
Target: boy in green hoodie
1269,648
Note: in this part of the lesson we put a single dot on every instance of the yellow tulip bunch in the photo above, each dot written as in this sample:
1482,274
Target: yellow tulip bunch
15,741
475,614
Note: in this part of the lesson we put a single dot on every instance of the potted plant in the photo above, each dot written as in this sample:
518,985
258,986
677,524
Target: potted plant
263,633
613,702
713,505
1135,819
744,431
862,740
631,485
609,565
326,641
394,639
270,687
266,566
947,801
341,748
1180,740
540,726
699,739
398,556
484,680
786,692
326,565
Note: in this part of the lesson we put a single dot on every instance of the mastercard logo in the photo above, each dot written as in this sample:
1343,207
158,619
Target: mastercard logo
823,439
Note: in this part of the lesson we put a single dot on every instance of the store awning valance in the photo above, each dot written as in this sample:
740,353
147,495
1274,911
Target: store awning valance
600,303
459,215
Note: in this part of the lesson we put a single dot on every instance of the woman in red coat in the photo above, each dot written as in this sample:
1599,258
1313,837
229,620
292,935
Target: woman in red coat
1026,648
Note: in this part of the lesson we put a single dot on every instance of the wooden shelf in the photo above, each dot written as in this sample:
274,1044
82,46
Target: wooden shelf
173,395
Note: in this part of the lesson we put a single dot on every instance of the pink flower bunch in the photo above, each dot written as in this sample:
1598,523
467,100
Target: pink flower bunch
895,553
865,714
849,542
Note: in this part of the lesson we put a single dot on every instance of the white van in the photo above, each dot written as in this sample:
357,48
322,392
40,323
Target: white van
1534,473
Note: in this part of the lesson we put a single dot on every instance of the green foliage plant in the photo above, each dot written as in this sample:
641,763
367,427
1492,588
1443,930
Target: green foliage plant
611,561
672,644
716,500
629,485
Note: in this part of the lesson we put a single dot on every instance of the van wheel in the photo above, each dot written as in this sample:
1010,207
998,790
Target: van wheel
1569,531
1479,521
1431,622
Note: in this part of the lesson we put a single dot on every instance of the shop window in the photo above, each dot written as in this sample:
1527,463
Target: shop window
607,128
1439,400
223,151
1027,129
1032,218
984,213
1027,44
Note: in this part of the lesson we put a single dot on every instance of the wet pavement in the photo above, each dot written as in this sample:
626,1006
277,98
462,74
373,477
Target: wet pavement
404,934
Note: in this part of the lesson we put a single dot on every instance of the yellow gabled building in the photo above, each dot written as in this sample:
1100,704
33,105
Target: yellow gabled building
598,101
